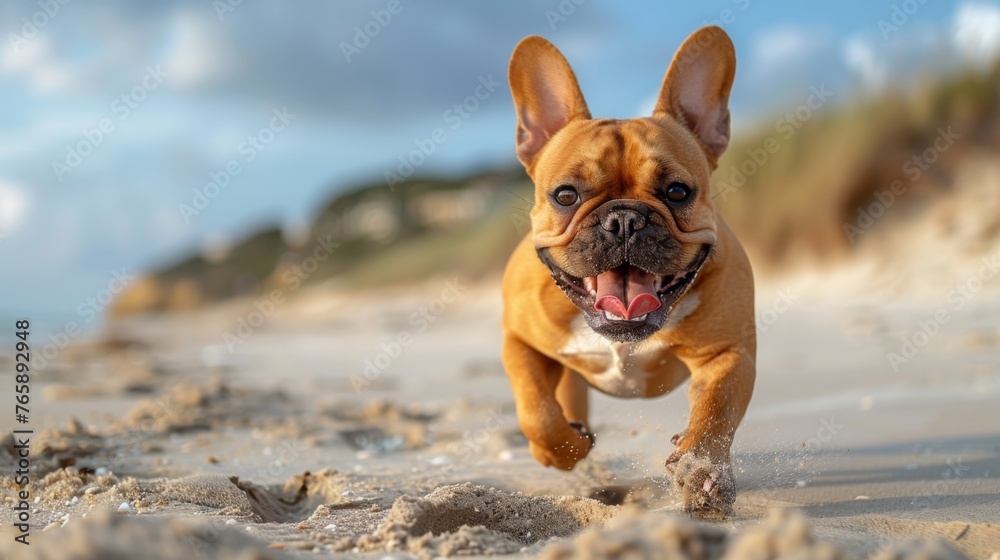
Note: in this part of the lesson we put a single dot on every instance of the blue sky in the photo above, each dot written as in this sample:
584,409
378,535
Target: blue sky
198,80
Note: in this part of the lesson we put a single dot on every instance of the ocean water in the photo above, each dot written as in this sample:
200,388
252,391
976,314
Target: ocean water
48,332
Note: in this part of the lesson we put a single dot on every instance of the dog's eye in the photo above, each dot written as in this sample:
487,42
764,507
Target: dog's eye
566,195
677,192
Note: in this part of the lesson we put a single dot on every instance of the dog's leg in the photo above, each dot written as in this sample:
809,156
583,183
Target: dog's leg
535,380
574,398
721,386
670,373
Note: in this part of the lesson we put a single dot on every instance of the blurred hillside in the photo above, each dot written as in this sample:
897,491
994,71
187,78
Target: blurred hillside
896,177
368,237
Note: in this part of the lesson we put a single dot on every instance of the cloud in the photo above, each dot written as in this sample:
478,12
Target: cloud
13,207
860,56
37,64
195,55
785,46
26,56
419,63
977,32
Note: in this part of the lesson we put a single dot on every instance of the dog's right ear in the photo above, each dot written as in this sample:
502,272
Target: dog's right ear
546,95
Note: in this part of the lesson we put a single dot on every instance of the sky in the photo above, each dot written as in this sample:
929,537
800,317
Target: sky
134,133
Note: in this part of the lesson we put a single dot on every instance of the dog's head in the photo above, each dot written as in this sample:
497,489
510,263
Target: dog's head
623,215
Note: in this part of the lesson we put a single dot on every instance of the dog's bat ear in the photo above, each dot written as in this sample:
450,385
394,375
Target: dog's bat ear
546,95
695,90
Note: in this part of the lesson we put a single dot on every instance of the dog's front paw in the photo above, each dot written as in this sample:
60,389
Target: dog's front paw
564,450
584,432
707,489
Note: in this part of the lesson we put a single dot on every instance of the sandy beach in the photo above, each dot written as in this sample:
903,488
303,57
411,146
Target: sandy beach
287,446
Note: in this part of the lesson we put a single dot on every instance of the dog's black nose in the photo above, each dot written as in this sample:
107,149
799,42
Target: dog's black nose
622,220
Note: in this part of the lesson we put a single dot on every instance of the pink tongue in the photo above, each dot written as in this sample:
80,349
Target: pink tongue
615,287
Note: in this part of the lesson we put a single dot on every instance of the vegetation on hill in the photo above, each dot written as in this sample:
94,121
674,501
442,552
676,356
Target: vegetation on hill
365,237
831,181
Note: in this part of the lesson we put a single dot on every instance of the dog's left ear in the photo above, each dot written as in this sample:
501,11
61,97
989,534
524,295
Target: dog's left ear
695,90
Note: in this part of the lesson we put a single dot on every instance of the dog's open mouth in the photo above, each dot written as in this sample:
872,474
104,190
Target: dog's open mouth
627,302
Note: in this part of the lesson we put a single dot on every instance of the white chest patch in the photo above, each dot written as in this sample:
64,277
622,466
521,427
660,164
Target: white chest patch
619,368
681,310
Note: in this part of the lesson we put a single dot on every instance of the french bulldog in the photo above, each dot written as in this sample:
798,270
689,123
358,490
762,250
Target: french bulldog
629,282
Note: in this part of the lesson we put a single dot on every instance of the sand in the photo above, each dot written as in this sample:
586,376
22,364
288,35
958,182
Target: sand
164,444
